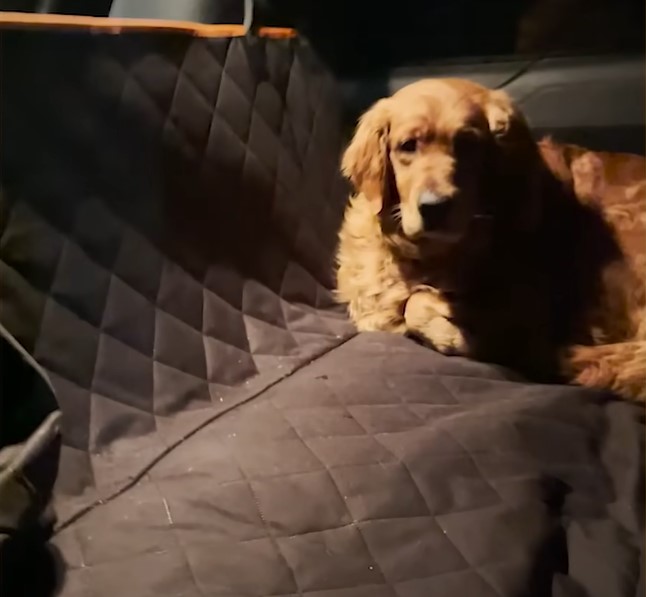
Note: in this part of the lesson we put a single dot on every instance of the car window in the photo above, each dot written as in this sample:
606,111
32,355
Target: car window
361,35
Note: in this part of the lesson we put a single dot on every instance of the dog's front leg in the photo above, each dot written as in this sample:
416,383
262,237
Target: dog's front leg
427,314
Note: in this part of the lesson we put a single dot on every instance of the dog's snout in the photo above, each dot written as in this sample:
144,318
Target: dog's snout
430,198
435,210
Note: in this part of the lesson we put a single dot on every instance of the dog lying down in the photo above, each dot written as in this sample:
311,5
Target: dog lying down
470,235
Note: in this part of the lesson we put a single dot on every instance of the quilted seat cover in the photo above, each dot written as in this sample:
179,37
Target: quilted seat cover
169,214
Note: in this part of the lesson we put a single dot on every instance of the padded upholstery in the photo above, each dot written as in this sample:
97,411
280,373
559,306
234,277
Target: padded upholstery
170,207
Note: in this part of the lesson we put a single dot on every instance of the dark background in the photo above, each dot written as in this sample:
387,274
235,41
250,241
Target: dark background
365,35
575,67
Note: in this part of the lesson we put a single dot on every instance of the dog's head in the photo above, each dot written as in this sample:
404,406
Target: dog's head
430,157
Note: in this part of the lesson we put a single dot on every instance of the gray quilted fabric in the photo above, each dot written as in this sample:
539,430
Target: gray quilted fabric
381,469
170,208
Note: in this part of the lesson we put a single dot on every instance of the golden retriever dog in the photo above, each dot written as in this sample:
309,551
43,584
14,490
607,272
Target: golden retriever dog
466,233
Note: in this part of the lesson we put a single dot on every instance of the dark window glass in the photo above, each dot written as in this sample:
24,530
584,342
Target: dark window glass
360,35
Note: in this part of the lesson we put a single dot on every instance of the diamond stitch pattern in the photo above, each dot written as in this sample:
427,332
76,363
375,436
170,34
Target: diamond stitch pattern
166,254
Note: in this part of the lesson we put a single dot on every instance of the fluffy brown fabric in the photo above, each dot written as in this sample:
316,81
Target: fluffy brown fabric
467,233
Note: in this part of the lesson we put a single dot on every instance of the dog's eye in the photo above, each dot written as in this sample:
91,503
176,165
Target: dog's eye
408,146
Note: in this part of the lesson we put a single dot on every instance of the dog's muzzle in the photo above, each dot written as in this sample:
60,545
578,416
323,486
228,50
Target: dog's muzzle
435,210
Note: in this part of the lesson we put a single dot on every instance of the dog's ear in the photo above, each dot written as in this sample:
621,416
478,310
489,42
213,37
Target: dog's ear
506,122
365,161
514,166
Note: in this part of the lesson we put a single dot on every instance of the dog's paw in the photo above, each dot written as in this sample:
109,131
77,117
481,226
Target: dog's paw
444,336
426,316
616,367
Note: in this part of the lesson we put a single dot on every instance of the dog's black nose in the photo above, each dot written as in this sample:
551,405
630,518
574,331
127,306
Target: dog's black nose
436,215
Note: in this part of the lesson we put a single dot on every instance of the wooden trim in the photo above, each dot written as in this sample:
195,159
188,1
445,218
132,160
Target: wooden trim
113,25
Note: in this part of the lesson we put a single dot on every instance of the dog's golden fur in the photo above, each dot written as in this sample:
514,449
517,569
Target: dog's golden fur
539,263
